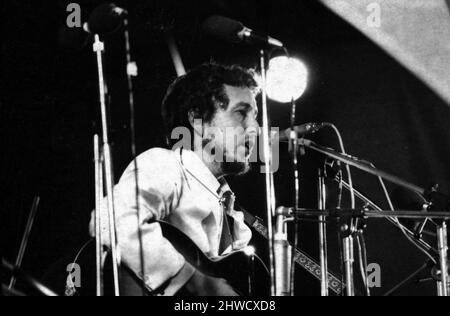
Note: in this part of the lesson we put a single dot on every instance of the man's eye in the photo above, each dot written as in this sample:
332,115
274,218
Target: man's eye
242,113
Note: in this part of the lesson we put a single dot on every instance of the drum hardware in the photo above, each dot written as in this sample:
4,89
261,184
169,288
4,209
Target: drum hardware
25,239
17,273
11,292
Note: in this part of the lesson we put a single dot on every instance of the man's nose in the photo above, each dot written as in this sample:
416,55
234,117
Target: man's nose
253,132
254,126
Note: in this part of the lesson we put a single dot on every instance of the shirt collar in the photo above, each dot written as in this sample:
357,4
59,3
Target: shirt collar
192,162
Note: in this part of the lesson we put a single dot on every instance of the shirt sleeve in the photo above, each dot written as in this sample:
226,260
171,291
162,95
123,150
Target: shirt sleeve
160,185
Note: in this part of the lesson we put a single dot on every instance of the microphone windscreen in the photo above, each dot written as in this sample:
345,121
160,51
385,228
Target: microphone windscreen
223,28
105,19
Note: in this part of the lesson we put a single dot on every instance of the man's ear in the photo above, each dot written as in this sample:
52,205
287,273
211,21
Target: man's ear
196,122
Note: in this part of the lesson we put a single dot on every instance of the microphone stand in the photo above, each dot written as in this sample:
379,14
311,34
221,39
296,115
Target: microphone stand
413,238
348,230
99,48
418,241
270,188
293,149
443,289
441,201
132,71
99,193
322,198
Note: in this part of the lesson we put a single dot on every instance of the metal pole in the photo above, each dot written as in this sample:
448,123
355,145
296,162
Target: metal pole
323,235
349,259
419,242
294,150
354,162
99,48
18,273
270,192
175,53
25,239
98,224
443,256
439,289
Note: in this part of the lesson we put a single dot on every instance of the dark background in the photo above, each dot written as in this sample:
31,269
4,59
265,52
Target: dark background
49,112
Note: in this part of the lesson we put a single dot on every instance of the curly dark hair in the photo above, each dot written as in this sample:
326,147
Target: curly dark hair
202,91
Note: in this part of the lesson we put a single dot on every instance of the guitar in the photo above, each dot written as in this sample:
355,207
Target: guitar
235,268
247,275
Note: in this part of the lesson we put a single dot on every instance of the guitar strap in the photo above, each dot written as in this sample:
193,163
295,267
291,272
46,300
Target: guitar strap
249,219
227,237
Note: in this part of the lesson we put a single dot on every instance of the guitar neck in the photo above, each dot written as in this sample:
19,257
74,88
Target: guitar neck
305,261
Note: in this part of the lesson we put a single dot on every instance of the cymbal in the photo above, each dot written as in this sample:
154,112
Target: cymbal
11,292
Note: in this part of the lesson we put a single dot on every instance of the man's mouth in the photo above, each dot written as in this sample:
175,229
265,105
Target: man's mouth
248,148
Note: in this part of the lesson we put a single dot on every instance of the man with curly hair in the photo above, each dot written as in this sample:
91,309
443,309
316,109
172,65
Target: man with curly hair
184,186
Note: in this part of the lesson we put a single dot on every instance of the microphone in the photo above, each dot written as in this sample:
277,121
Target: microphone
282,252
235,32
105,19
300,130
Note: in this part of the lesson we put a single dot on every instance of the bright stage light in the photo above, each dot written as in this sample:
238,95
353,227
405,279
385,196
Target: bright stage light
287,79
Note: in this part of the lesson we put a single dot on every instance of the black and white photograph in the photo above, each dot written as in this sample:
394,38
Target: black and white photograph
225,155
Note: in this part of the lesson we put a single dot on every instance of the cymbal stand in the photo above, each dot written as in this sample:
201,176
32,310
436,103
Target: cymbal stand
99,49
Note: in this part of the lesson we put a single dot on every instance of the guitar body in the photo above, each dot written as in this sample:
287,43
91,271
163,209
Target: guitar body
247,275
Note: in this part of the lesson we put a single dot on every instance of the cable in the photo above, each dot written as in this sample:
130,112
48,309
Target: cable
363,263
349,174
419,243
392,208
341,261
388,198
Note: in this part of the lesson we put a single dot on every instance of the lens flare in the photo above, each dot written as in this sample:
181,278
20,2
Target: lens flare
287,79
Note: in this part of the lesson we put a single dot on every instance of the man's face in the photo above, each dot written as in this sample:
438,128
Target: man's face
234,131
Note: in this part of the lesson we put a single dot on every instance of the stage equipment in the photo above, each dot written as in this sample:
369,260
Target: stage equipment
235,32
106,19
283,254
440,202
19,274
25,239
287,79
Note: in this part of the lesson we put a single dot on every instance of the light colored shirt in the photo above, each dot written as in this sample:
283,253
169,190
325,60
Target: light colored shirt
178,188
